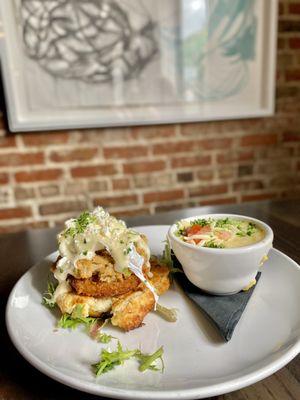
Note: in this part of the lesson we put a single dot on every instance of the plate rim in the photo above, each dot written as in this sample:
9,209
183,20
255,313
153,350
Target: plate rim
184,394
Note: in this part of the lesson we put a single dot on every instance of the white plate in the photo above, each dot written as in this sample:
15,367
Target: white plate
197,362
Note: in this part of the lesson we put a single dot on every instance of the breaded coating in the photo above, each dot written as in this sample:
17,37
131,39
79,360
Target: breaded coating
128,299
96,288
90,306
130,309
160,277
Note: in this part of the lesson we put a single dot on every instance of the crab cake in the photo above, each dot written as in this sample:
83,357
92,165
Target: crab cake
91,307
105,267
129,310
97,288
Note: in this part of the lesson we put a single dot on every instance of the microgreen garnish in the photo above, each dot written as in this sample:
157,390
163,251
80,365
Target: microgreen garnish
68,321
201,221
104,338
127,251
111,359
214,245
251,229
167,255
222,222
80,224
48,298
148,360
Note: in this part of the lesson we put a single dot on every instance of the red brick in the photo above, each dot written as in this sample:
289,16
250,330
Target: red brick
292,75
175,147
258,197
45,138
294,43
97,186
93,170
284,180
169,195
144,166
62,207
125,152
247,185
280,8
24,193
281,43
121,184
217,143
17,212
83,154
198,128
39,175
208,190
16,159
259,140
115,201
227,171
185,177
49,190
3,178
131,213
205,175
8,141
217,201
245,170
291,136
294,8
153,132
190,161
235,157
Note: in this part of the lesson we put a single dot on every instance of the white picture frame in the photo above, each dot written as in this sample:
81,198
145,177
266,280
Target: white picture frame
31,97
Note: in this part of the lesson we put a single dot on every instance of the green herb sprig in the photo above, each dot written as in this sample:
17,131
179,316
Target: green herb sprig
48,297
201,221
72,321
213,245
80,224
111,359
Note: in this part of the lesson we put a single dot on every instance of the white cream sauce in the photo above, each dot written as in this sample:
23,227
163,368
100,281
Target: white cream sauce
100,231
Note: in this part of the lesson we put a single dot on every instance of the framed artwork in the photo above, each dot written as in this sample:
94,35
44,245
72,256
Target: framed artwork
97,63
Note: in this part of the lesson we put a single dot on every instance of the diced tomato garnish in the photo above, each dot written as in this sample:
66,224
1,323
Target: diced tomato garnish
205,229
224,235
198,230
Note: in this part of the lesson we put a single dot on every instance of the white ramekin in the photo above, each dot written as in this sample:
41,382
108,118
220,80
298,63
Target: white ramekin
221,271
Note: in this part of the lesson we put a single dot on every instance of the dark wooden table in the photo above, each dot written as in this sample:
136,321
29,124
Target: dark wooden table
19,251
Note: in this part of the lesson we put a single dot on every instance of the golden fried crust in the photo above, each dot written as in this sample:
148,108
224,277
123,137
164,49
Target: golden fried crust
96,288
160,277
130,309
91,306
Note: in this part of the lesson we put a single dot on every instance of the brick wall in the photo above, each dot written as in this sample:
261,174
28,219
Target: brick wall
47,177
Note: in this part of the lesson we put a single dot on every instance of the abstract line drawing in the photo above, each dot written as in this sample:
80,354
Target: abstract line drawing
89,40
